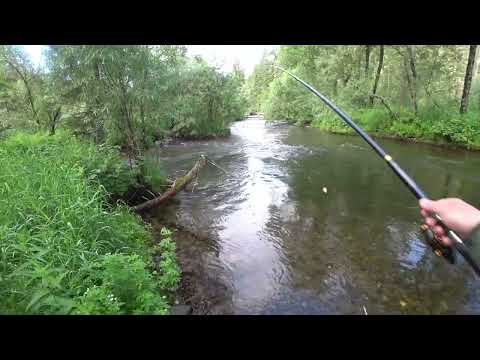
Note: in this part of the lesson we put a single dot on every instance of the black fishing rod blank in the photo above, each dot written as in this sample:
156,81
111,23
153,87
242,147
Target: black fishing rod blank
438,247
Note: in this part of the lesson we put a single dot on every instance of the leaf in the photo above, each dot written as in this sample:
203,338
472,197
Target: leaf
37,296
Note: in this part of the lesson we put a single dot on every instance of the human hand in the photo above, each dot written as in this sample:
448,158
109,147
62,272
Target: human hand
455,213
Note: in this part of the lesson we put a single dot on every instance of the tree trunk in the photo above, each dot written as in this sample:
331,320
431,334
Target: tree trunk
431,76
411,79
26,83
134,150
54,120
178,185
467,84
413,82
358,68
379,71
367,59
96,69
411,57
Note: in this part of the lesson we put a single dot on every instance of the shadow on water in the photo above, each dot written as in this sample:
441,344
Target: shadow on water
284,246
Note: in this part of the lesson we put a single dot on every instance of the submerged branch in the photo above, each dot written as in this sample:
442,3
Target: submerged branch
178,185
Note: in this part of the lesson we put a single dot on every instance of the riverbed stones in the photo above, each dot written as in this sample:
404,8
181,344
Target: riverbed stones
180,310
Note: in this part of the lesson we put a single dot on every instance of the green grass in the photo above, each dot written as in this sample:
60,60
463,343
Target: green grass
63,249
152,172
436,125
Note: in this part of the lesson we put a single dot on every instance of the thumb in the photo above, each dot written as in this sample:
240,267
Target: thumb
428,205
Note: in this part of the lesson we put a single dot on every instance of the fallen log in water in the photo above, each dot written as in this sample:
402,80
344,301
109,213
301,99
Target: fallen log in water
178,185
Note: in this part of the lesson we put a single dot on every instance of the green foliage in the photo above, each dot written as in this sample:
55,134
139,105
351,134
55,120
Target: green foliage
437,125
152,172
257,85
102,165
208,101
126,96
98,300
131,96
170,271
278,106
434,82
59,237
126,287
19,87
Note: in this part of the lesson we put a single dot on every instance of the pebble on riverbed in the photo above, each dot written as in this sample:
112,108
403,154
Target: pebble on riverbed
181,310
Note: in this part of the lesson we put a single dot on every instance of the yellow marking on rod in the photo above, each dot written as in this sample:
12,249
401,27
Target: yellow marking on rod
387,157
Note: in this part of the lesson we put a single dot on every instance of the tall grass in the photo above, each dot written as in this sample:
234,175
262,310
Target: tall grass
62,249
152,172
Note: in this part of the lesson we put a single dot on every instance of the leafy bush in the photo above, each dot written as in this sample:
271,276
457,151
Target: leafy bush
98,300
102,165
373,119
105,165
152,172
170,271
126,287
209,101
434,124
59,237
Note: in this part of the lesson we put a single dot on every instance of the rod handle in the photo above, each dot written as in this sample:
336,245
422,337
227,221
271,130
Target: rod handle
459,245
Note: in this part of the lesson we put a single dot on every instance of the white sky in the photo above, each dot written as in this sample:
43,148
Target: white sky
35,52
222,55
226,55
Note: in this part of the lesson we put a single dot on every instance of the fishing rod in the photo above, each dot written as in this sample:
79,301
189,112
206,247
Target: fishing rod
438,248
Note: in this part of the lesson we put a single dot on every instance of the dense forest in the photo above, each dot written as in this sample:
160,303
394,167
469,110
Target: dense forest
424,92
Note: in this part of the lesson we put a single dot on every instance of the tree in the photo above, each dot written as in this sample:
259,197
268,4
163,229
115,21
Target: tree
467,84
111,89
367,59
23,70
50,107
379,71
134,95
411,74
259,81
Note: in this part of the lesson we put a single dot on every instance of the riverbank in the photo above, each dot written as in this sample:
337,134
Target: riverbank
67,248
444,128
398,138
201,288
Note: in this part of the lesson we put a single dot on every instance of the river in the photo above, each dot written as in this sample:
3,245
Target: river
306,222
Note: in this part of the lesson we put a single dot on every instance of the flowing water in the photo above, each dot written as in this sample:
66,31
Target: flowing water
305,222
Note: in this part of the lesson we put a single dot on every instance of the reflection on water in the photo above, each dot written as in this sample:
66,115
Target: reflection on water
290,248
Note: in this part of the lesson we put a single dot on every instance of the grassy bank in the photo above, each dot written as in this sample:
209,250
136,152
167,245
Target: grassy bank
65,248
436,126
